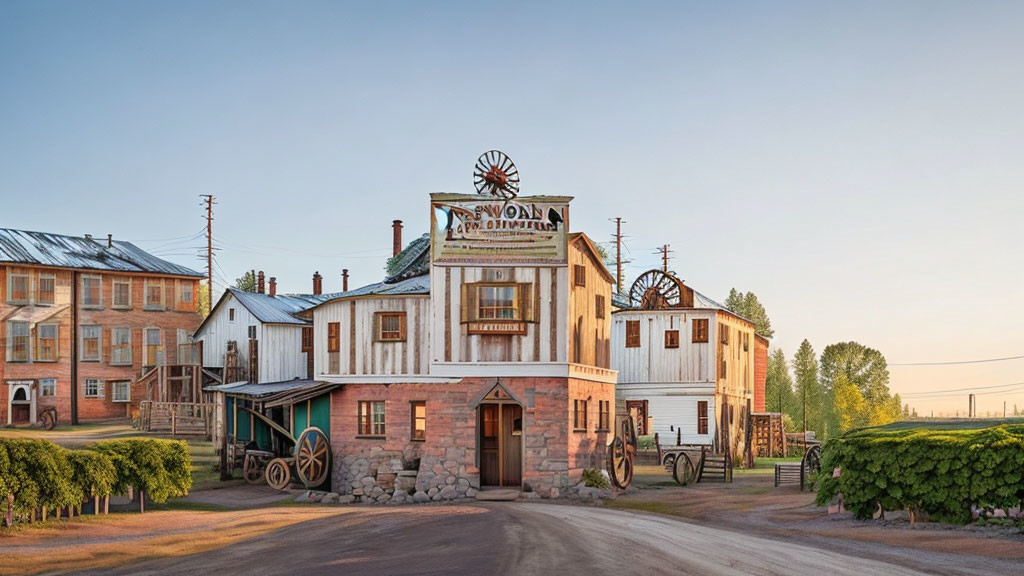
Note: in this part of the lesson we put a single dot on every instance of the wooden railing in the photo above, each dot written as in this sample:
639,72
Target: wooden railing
175,417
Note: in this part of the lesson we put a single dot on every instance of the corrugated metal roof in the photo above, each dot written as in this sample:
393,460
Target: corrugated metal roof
699,301
265,389
278,309
41,248
414,260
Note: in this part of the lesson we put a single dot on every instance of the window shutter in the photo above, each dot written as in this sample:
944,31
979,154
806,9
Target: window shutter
376,326
525,294
401,326
101,388
469,302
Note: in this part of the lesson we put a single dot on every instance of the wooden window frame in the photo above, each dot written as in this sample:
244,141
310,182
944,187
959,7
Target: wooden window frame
600,307
99,343
700,331
641,425
333,347
186,287
579,415
12,346
723,334
146,305
41,342
672,338
27,292
603,415
414,435
579,275
523,303
231,315
702,420
379,335
113,293
47,383
100,388
307,338
52,278
146,346
117,350
85,304
367,425
632,334
113,391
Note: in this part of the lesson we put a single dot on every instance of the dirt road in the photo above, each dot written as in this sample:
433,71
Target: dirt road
531,538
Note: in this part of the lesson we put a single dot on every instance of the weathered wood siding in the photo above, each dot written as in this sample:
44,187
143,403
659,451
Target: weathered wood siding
672,410
281,355
545,340
219,330
651,361
359,353
589,336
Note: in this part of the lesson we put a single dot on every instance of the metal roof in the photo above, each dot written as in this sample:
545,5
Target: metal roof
260,390
414,260
278,309
699,301
41,248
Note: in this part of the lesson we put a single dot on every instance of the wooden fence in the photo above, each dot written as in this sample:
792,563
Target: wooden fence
174,418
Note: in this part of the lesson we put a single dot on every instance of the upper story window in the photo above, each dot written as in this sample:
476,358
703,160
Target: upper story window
18,342
46,289
579,275
700,330
121,346
17,287
91,339
599,306
122,293
671,338
389,326
231,314
92,292
154,346
186,292
334,347
632,333
724,334
497,301
307,338
154,295
46,345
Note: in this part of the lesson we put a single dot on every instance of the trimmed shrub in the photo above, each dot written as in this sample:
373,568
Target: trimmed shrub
940,472
93,473
38,474
160,468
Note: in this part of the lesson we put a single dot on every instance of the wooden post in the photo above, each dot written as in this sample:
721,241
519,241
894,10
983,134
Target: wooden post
106,504
96,505
44,514
174,423
10,510
142,502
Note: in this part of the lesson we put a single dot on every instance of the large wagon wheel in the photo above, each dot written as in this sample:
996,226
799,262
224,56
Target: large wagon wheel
683,470
620,463
252,471
312,457
279,474
812,461
49,418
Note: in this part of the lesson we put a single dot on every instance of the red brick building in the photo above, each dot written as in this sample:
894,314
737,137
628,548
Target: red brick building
760,371
82,319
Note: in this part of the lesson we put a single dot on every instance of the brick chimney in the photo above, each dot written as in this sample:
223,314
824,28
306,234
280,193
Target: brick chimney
344,280
396,227
273,286
110,240
259,283
318,283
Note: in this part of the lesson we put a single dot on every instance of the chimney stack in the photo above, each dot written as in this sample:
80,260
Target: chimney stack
259,283
273,286
344,280
396,227
318,283
110,240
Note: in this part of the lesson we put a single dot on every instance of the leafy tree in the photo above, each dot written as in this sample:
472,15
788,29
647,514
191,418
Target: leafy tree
808,389
778,388
203,300
866,369
748,306
850,408
247,283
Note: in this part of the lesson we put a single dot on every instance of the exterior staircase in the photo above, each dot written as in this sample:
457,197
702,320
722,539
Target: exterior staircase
714,468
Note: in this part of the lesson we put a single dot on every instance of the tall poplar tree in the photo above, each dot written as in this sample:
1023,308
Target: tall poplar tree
808,389
748,306
778,387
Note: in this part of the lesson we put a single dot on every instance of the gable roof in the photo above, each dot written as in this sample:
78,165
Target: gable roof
414,260
280,309
58,250
588,245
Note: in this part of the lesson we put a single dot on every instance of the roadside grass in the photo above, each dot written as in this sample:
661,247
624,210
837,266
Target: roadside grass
763,466
642,506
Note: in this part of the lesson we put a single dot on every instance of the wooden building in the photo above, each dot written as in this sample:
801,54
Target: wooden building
91,326
481,360
685,364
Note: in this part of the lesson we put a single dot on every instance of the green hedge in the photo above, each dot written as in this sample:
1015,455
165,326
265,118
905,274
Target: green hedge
940,472
40,473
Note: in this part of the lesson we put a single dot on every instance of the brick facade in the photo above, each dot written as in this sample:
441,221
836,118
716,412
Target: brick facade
760,372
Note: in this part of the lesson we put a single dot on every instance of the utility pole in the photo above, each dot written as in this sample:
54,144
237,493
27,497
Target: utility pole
618,254
208,200
664,257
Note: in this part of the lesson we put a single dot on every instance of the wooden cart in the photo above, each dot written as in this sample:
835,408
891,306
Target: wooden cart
310,458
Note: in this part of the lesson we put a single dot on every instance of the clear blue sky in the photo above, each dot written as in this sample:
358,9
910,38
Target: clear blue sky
857,165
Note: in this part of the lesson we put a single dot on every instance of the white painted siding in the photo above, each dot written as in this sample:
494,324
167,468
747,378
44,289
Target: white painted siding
281,355
651,361
219,330
411,357
672,410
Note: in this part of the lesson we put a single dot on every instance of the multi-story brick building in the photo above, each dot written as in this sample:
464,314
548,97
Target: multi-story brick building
82,319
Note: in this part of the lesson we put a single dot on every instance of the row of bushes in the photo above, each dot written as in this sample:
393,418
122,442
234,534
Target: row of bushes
940,472
40,474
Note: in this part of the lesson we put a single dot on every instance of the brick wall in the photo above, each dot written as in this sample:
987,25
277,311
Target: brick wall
760,373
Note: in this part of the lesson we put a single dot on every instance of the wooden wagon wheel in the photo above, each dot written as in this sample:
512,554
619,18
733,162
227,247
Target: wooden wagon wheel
655,290
279,474
684,471
49,418
812,461
251,469
620,463
312,457
669,462
496,175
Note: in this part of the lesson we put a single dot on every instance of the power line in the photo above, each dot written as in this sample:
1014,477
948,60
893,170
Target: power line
952,363
957,391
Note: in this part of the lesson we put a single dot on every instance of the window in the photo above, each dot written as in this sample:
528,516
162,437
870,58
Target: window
92,292
94,388
154,295
121,346
702,417
307,338
671,338
603,414
722,369
231,314
371,418
47,386
579,275
46,289
184,341
17,288
419,420
700,330
334,347
46,342
579,415
390,326
637,410
252,332
121,391
91,338
599,307
122,289
154,349
632,333
746,341
724,334
18,342
730,415
185,292
489,301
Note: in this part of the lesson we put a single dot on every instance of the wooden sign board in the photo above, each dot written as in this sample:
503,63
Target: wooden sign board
469,229
503,327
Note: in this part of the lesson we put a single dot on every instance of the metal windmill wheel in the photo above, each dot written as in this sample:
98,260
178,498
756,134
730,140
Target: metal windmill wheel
655,289
496,174
312,457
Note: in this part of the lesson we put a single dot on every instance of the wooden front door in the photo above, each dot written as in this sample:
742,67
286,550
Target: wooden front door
20,413
500,427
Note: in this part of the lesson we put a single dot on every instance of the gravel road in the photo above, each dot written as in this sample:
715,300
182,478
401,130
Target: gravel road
532,538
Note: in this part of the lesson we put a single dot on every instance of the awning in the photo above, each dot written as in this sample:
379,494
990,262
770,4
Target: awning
272,394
